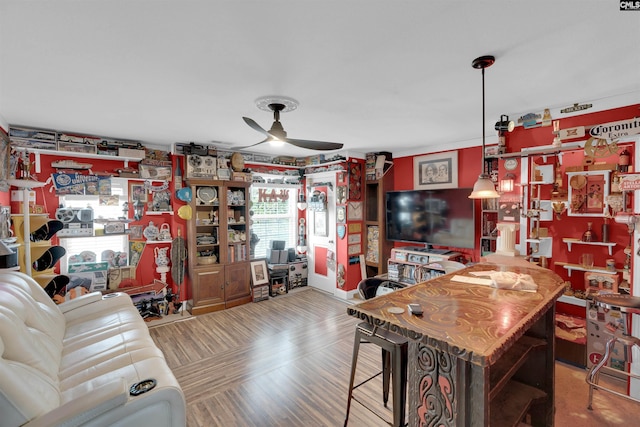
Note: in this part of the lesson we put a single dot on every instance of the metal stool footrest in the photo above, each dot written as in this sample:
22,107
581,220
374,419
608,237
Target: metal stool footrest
627,305
394,361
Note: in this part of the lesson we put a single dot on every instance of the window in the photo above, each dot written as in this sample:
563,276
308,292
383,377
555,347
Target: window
275,216
110,208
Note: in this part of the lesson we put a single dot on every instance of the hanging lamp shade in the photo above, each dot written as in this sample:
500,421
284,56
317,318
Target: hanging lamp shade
484,187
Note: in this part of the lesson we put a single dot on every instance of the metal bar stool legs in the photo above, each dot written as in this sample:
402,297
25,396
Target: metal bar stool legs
627,305
394,368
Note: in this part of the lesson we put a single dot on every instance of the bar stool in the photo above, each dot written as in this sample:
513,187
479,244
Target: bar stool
627,305
394,359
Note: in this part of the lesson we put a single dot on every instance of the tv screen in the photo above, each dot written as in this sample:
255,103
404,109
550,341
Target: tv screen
431,217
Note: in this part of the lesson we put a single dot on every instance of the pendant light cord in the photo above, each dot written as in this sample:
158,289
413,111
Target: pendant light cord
483,126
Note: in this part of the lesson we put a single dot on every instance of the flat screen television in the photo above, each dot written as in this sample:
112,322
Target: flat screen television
431,217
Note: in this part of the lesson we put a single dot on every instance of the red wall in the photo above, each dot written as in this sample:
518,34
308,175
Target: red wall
573,227
145,273
469,161
469,167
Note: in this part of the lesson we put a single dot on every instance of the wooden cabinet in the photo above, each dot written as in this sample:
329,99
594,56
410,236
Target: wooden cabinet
207,286
237,284
377,247
218,245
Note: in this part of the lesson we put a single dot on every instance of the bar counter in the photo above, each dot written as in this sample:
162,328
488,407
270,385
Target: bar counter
478,356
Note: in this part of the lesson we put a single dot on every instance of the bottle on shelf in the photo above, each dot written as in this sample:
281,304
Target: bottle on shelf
605,231
589,235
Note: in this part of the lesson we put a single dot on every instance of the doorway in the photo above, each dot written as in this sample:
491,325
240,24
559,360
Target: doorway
321,231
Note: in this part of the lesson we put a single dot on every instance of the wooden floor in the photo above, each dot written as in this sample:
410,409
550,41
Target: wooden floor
280,362
286,362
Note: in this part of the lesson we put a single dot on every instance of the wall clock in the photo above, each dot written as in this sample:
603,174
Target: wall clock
206,195
510,164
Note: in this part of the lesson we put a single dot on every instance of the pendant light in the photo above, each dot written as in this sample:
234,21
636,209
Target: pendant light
484,187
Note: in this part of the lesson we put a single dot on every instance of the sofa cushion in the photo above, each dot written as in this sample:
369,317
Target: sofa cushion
24,339
26,391
59,363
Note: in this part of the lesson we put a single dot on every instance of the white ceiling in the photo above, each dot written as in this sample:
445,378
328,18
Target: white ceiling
375,75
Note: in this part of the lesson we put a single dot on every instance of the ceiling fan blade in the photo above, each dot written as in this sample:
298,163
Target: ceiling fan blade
315,145
255,126
253,145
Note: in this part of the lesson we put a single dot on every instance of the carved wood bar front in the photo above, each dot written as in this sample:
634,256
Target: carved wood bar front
476,348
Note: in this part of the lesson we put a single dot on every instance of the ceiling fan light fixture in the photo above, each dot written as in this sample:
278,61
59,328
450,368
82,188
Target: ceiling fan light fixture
275,142
277,132
484,188
505,125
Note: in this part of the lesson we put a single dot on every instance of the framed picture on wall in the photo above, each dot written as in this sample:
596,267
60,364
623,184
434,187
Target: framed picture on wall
435,171
137,192
588,192
320,228
135,232
354,211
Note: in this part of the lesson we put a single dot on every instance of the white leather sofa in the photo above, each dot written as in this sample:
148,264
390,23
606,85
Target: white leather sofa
75,364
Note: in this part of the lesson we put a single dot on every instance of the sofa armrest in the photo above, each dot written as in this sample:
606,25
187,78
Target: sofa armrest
88,406
80,301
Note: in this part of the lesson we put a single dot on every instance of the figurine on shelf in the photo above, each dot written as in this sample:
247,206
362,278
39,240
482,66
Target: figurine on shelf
162,259
151,231
164,233
162,263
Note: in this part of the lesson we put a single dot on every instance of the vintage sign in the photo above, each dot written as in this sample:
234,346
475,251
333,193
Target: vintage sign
264,195
530,120
75,183
616,130
576,107
630,182
577,132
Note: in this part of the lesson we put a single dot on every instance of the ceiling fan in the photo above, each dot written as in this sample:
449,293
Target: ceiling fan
277,132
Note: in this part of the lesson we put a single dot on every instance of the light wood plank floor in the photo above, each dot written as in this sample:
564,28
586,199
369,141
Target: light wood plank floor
280,362
286,362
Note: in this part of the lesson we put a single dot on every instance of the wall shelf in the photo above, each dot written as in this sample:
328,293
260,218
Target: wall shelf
37,152
570,241
567,299
571,267
158,212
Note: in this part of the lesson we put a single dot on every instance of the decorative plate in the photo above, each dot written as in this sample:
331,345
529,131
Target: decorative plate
237,162
88,256
184,194
578,181
510,164
185,212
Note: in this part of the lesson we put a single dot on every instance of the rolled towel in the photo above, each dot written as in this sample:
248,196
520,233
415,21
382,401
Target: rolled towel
514,281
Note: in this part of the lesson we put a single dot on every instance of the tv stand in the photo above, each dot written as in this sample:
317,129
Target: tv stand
411,264
420,250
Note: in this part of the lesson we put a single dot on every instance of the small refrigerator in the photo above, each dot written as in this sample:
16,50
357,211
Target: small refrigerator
601,323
